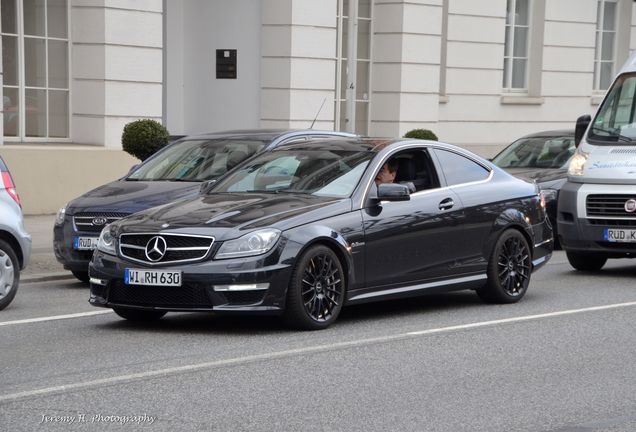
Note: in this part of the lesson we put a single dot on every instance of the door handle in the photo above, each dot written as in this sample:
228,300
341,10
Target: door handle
446,204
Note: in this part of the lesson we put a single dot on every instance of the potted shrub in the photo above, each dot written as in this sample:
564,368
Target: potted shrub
424,134
142,138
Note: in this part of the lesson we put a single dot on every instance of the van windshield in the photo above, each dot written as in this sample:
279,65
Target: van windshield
615,122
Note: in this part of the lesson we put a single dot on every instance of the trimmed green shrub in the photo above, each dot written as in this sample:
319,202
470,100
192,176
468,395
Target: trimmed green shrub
424,134
142,138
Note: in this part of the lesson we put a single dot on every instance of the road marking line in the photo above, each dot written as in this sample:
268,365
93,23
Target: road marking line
288,353
54,317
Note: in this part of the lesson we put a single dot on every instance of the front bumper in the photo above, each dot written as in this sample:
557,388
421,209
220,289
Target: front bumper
63,238
200,286
586,235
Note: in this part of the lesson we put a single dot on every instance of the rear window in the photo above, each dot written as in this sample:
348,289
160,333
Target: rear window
459,169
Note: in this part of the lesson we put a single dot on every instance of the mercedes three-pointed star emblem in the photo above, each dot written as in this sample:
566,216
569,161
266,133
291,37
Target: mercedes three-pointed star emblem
156,248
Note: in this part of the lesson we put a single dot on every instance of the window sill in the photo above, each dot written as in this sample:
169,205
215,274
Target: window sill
520,100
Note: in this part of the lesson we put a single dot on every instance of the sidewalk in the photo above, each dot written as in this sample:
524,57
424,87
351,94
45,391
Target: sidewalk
43,266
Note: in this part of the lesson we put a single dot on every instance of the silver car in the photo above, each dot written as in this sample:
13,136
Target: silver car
15,242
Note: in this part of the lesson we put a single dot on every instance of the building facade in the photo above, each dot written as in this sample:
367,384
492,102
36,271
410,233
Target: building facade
477,73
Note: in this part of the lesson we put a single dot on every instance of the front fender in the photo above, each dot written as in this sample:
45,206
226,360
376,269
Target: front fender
302,238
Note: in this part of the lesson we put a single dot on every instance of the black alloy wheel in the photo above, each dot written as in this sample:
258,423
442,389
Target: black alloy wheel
139,315
316,291
509,269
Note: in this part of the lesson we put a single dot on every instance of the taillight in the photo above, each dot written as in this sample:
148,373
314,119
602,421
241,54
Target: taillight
10,187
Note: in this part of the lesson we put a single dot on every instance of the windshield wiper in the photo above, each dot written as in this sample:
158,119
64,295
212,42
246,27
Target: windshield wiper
612,133
268,191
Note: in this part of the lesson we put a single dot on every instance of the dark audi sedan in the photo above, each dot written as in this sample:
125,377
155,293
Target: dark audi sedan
176,171
303,230
542,157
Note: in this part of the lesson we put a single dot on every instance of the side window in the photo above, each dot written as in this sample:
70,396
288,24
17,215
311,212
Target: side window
413,168
458,169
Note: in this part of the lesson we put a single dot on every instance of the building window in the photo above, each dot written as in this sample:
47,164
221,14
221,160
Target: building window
515,77
35,61
605,55
353,65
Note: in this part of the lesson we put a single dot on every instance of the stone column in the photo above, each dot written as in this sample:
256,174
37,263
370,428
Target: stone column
298,63
116,67
406,62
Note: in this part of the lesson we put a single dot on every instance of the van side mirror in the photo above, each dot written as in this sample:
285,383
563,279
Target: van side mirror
581,126
206,185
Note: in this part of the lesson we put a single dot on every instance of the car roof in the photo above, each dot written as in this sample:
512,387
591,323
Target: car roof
263,134
374,145
550,133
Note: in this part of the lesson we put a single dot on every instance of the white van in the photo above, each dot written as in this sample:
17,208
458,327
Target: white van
596,213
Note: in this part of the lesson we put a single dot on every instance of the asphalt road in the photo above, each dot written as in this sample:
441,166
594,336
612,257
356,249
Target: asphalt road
560,360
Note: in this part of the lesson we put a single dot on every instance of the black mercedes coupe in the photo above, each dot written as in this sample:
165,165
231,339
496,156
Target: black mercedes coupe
305,229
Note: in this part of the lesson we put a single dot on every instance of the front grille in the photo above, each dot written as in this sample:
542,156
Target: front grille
613,222
186,296
171,248
88,221
608,205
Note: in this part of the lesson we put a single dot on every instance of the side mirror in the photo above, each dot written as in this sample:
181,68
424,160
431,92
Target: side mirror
581,126
206,185
132,168
393,192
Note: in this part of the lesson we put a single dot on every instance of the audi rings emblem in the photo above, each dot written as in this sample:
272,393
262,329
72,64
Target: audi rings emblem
99,221
630,205
156,248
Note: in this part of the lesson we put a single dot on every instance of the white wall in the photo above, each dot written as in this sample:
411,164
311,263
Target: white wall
197,102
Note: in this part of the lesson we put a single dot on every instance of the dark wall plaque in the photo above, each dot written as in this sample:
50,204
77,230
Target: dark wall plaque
226,64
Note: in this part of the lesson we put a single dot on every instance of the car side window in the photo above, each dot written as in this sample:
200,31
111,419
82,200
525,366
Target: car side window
458,169
415,169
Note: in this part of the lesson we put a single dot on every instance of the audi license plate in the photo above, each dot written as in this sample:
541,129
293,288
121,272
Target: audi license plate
619,235
85,243
152,277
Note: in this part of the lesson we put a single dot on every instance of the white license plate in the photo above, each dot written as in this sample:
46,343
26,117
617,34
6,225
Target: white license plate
620,235
85,243
152,277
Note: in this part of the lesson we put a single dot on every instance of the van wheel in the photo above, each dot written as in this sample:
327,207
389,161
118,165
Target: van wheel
586,262
82,276
9,274
509,269
139,314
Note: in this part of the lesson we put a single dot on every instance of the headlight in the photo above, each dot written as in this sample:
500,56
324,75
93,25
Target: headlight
61,213
549,194
106,242
577,164
254,243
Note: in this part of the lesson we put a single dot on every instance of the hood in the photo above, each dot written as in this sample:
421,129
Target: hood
608,164
229,215
132,196
544,177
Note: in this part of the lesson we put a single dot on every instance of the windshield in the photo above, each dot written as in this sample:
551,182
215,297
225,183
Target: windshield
312,171
537,152
196,160
615,121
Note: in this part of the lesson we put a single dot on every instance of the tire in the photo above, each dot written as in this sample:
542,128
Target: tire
586,262
509,269
82,276
139,315
9,274
316,290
